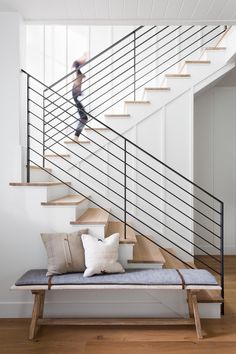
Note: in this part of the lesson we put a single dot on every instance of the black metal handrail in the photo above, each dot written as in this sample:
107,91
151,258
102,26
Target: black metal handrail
125,197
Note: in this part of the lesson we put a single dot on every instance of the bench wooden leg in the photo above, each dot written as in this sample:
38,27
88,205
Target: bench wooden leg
37,312
194,312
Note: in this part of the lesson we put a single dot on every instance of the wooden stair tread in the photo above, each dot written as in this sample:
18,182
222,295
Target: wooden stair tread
70,199
172,262
146,252
118,227
117,115
209,296
76,142
178,75
157,88
96,129
40,168
138,102
92,216
215,48
57,155
37,184
197,61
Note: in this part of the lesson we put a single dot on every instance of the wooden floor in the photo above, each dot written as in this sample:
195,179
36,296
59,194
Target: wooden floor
221,334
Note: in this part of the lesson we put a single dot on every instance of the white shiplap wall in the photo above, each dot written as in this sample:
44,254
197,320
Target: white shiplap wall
215,152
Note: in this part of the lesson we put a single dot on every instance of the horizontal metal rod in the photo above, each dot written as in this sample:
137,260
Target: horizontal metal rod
83,159
76,119
113,62
129,188
96,56
102,62
168,215
143,84
125,71
151,62
153,157
75,166
167,190
78,180
112,214
170,228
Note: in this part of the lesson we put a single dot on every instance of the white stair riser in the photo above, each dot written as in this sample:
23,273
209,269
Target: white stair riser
33,195
56,192
61,216
121,125
177,83
125,253
216,56
137,109
200,71
159,98
39,175
99,136
52,162
144,265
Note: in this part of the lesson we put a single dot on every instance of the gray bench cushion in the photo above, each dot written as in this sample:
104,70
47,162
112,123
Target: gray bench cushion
130,277
197,277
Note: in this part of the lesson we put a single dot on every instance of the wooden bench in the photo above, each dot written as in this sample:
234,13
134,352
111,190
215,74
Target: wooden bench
191,280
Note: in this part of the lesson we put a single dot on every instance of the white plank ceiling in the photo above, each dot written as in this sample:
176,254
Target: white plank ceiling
125,11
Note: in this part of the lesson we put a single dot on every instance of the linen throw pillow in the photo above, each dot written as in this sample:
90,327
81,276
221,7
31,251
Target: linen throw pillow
65,252
101,255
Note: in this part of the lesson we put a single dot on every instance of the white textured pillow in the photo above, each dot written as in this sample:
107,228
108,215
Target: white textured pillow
101,255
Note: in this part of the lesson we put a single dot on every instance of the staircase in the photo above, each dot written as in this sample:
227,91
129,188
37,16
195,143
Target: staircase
106,182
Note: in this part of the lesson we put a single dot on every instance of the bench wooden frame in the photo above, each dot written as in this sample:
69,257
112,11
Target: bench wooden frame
39,296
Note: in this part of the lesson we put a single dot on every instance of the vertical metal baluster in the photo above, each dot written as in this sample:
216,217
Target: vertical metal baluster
125,202
44,123
28,130
134,66
222,253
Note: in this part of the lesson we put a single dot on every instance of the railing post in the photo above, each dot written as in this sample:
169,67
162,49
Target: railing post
222,253
28,131
44,123
125,180
134,66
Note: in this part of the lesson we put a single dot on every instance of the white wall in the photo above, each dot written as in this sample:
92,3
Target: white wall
215,153
10,157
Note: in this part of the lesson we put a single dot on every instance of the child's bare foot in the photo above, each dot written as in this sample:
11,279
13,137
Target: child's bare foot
76,138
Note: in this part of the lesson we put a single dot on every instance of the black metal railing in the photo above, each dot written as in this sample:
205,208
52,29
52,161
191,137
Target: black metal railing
126,67
137,189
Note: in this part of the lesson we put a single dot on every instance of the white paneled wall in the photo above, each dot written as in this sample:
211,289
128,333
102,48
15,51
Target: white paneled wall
215,153
51,49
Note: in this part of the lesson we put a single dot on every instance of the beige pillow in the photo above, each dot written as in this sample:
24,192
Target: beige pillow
65,252
101,255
